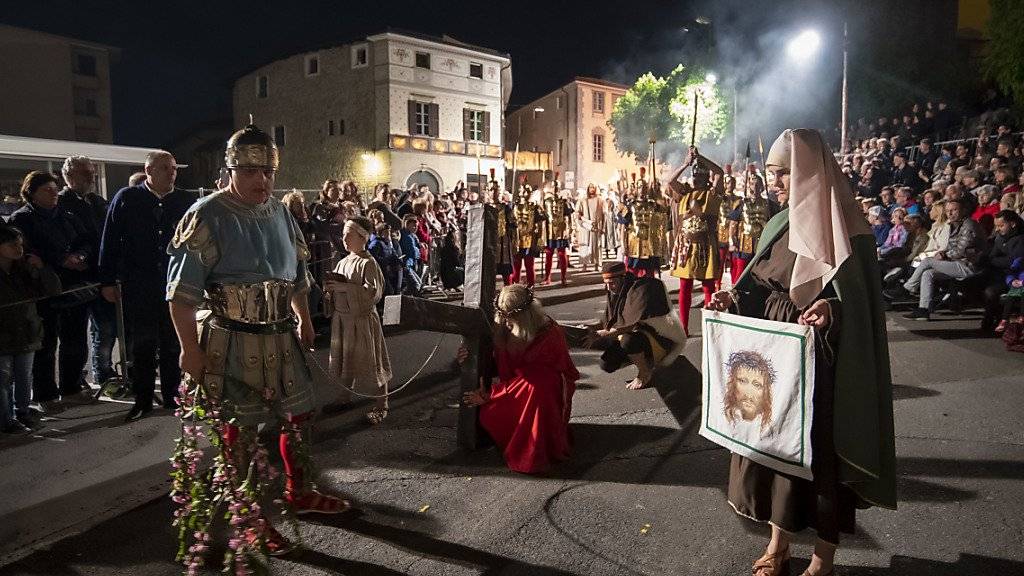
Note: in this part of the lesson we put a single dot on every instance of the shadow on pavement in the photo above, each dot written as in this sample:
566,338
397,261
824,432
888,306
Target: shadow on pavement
905,392
966,565
425,545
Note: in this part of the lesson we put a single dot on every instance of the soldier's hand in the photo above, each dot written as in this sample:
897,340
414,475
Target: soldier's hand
193,363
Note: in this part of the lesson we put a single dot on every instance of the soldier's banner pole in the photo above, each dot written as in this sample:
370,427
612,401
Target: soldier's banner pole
515,160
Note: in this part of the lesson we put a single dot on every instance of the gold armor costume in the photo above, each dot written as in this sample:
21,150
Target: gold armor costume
695,255
749,219
529,219
647,229
556,228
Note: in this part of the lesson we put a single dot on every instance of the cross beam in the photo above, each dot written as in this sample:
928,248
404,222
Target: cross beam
472,319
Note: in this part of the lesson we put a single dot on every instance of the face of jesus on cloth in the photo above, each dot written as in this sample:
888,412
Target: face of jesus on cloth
749,388
252,185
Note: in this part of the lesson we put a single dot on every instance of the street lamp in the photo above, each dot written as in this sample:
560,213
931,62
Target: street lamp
802,47
710,78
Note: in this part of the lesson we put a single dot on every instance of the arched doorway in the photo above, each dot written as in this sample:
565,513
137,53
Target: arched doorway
425,176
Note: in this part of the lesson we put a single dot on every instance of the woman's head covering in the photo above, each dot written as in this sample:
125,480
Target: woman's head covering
822,212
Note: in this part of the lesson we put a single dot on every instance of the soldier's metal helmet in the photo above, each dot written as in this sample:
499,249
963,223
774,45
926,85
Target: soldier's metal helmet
251,147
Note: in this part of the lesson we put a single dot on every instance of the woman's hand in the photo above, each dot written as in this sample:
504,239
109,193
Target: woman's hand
817,315
477,397
462,355
720,301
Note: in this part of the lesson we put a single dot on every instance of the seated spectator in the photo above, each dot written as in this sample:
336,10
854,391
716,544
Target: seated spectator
1013,307
961,259
1010,201
880,224
956,192
897,236
887,199
988,206
296,204
9,205
938,235
902,258
22,280
1007,247
905,199
1006,181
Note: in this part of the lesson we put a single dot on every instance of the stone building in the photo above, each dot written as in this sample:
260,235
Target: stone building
571,123
395,107
54,87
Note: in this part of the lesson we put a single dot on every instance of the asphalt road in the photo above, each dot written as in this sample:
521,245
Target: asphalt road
642,494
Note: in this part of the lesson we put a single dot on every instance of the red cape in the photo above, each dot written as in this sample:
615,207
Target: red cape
527,415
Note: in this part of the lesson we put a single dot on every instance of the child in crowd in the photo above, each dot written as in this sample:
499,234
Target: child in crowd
410,245
385,253
22,279
358,351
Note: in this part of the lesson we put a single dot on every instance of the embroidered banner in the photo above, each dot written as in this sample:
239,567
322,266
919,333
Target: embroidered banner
757,389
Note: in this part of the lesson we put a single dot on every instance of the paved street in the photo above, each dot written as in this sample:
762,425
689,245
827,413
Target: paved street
643,494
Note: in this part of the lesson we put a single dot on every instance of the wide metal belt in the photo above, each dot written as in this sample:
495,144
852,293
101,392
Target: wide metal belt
280,327
266,302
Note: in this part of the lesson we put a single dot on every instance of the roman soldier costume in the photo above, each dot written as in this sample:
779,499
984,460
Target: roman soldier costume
557,216
528,218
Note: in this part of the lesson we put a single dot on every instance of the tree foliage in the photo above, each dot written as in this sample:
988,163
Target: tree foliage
1004,58
662,108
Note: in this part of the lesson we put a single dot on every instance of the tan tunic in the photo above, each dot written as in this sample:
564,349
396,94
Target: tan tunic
358,351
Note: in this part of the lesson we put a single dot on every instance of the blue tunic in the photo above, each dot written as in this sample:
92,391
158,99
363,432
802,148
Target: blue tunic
221,240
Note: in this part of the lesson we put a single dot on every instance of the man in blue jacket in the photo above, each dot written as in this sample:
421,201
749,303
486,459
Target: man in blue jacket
140,222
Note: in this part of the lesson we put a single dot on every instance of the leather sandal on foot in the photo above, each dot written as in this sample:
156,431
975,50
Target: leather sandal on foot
772,564
274,542
314,502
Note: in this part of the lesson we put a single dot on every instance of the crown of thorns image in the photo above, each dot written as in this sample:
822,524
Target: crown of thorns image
749,388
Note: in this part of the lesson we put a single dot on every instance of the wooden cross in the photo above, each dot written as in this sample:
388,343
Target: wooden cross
473,319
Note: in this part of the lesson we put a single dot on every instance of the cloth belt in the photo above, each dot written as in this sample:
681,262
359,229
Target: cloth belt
280,327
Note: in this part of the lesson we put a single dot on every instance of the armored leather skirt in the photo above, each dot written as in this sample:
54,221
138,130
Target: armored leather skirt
259,377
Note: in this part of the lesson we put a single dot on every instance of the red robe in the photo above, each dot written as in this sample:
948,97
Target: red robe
527,415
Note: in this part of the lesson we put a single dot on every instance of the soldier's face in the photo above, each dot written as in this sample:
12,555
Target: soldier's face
750,386
252,185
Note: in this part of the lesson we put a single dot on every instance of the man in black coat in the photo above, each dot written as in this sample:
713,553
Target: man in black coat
80,198
140,223
1007,246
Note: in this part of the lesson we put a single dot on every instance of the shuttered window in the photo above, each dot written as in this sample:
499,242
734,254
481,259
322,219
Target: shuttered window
476,125
424,119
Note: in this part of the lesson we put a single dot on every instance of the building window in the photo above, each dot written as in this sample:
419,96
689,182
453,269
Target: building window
476,70
558,152
262,84
279,136
476,125
423,119
598,147
423,60
598,102
341,127
360,56
312,65
558,102
330,127
85,102
84,64
87,134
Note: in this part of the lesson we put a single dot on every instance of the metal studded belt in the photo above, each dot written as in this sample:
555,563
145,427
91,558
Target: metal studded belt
256,303
281,327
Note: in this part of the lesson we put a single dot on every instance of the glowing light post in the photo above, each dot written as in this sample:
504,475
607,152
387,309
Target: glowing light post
805,44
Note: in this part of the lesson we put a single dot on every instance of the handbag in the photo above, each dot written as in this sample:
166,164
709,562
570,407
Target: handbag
1013,336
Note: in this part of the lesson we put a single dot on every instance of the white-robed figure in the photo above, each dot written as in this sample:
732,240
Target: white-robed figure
359,355
590,228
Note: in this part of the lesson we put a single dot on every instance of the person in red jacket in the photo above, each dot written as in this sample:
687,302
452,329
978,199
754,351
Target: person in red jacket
988,207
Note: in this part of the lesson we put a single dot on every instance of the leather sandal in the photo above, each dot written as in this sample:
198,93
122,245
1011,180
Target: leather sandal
314,502
274,543
377,415
772,564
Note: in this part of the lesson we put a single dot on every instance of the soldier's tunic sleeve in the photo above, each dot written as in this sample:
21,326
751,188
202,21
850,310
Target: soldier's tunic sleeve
193,253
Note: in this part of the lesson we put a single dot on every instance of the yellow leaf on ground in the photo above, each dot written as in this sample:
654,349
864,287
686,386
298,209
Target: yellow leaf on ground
424,508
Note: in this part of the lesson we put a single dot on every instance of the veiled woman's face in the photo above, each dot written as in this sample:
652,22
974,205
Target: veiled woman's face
781,179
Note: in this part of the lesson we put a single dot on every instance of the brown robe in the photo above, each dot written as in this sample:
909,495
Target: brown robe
763,494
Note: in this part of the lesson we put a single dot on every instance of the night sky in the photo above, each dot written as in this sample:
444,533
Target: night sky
179,58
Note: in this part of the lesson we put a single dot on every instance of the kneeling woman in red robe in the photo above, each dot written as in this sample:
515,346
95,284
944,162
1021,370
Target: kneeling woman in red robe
527,411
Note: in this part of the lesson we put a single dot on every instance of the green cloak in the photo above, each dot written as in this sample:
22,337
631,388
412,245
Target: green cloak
864,432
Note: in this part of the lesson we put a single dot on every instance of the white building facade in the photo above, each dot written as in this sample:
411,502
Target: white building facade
396,107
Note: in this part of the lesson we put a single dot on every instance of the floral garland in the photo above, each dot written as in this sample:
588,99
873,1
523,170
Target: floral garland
201,494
